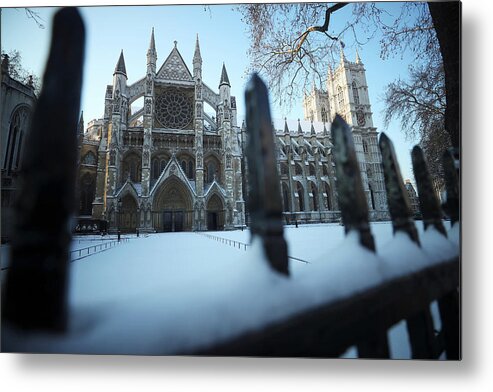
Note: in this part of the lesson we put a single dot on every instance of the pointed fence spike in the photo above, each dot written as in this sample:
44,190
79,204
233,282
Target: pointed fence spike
264,196
428,200
352,200
397,198
451,174
36,285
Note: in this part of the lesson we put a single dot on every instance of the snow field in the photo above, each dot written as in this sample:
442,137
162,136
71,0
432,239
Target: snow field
179,292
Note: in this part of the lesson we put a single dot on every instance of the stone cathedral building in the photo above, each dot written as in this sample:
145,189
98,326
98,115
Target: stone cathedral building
167,166
347,95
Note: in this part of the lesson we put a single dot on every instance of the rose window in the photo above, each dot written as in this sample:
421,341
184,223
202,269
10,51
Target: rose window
174,109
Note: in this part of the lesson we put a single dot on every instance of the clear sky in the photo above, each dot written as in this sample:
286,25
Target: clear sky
222,36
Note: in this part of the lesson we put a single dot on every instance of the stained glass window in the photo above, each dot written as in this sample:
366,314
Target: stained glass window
174,109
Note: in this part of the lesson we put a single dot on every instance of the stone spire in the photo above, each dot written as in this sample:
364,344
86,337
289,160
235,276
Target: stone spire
286,129
197,56
197,61
358,60
224,77
300,131
80,126
312,129
343,58
151,52
120,66
325,130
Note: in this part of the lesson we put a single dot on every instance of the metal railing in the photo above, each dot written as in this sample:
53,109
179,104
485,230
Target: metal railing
241,245
227,241
82,253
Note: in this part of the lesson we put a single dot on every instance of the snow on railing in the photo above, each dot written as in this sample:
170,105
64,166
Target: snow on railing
351,297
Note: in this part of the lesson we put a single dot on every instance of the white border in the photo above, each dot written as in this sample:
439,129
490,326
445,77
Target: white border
116,373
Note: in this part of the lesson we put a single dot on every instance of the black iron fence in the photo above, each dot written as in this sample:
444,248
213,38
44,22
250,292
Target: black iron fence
41,239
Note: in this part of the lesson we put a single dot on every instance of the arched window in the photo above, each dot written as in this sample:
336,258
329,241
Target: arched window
285,197
328,197
324,114
312,169
155,169
372,197
301,200
211,171
158,165
190,170
365,146
284,169
87,192
355,94
325,170
314,197
340,97
131,167
162,165
184,166
89,159
18,125
298,170
133,172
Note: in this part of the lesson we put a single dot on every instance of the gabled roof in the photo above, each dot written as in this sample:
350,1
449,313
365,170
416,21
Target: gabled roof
174,68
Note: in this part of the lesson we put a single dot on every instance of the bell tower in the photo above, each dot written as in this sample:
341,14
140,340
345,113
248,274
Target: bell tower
348,96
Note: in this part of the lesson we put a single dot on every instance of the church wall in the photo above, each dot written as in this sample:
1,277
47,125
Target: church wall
17,102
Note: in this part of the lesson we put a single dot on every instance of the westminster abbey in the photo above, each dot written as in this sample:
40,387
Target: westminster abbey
167,165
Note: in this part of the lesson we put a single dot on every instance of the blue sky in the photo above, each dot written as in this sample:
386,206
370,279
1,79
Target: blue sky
223,38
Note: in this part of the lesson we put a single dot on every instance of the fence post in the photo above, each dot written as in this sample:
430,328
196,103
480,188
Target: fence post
419,326
428,201
352,199
264,196
451,170
398,201
36,285
354,213
430,208
450,305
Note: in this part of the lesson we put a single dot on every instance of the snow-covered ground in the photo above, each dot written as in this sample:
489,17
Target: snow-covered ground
179,292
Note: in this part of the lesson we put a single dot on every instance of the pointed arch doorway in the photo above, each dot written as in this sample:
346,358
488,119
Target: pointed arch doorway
128,214
215,213
173,207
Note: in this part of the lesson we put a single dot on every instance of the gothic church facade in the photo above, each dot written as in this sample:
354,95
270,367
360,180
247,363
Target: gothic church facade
167,166
347,95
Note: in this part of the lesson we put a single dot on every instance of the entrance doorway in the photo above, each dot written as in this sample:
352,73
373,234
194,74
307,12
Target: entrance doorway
173,207
128,215
215,213
212,221
173,220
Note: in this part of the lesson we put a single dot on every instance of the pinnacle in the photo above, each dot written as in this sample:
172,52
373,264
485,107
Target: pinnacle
152,44
120,66
358,60
224,77
197,55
